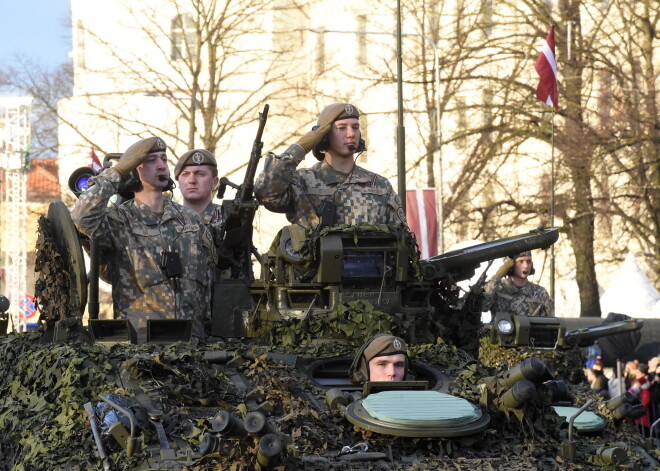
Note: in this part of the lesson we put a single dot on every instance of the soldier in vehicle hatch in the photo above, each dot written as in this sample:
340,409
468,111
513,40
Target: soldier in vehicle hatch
382,358
158,252
335,190
515,293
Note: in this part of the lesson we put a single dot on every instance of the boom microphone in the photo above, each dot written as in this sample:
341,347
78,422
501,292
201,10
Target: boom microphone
352,148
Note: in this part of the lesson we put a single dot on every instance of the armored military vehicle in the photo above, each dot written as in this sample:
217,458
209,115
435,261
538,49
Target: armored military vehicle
270,387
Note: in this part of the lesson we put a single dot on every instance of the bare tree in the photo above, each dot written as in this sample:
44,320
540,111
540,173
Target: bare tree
46,86
606,133
210,60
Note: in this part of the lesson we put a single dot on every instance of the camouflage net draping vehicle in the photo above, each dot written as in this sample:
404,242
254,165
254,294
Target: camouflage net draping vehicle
270,388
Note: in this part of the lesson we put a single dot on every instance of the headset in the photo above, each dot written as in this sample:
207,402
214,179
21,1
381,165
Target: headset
321,147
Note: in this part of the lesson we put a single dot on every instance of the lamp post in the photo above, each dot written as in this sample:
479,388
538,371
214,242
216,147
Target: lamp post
438,114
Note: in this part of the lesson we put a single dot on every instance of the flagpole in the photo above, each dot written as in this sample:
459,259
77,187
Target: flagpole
552,207
547,91
552,180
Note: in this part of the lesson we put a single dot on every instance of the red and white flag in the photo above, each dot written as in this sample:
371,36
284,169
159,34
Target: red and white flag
546,66
422,215
95,164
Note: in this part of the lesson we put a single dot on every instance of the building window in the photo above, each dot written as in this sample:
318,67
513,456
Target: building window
320,54
364,127
487,17
184,44
488,107
462,122
362,40
80,45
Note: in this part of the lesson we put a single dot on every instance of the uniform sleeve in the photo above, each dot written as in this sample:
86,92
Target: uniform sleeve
397,215
489,295
209,246
91,214
274,186
548,305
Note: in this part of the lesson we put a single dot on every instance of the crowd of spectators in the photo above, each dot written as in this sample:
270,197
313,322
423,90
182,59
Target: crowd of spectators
642,380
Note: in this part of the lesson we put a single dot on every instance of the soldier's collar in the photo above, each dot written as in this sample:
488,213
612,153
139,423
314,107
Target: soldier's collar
329,175
151,219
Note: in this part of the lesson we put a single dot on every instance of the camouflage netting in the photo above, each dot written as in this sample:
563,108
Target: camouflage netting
51,289
349,324
43,427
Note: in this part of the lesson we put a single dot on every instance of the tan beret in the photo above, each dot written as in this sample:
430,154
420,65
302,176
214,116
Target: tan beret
194,157
338,111
384,345
144,147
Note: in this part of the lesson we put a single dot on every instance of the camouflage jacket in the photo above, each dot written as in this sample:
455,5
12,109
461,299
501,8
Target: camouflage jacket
505,296
214,218
131,238
360,197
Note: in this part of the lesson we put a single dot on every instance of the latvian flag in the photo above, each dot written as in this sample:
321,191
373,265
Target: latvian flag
95,164
546,66
422,215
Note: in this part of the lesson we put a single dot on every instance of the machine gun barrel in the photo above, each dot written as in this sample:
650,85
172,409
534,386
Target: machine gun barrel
247,188
461,264
234,239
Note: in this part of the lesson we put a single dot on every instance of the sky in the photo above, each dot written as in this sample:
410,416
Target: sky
38,30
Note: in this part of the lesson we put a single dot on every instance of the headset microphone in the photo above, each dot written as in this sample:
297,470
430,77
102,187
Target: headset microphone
352,148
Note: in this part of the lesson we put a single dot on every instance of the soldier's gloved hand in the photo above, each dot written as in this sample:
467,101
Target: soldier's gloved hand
327,117
506,266
312,138
127,163
137,153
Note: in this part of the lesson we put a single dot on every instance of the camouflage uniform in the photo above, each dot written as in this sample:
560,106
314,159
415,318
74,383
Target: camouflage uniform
360,197
530,300
132,238
214,218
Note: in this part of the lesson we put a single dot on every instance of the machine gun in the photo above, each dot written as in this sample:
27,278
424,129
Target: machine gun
235,238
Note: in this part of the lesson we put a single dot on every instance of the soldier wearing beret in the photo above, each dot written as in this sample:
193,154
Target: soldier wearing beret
335,190
382,358
196,172
158,252
515,294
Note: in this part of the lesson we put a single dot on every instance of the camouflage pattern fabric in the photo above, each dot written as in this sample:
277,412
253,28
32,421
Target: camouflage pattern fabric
530,300
360,197
214,218
132,238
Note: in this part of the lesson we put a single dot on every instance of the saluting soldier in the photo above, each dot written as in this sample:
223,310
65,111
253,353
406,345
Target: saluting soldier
158,252
515,293
335,190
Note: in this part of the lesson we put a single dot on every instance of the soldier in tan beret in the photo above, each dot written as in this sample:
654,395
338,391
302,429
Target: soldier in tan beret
335,190
196,172
158,252
510,289
382,358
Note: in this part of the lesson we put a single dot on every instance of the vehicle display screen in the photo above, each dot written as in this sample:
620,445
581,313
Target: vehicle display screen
363,264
